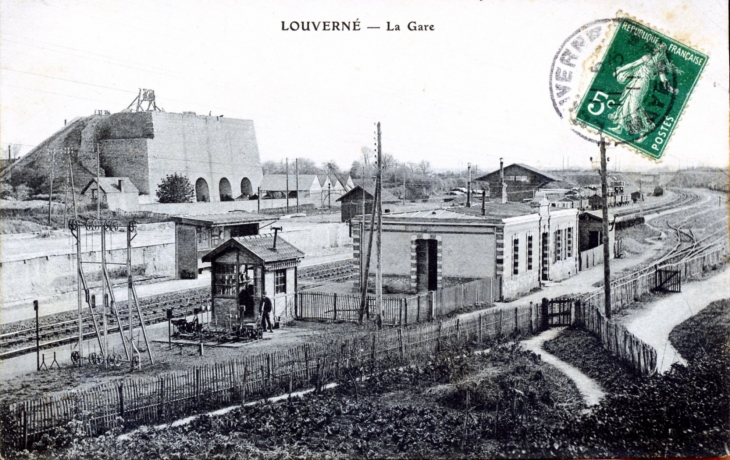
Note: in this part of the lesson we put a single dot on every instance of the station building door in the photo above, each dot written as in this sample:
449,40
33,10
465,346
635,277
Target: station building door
426,265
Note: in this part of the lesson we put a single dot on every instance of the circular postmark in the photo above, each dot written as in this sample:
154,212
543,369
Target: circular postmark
625,91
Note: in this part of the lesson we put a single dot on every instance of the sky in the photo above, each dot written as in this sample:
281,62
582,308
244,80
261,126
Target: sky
474,89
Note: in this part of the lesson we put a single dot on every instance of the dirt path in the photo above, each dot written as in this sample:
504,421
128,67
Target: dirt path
589,389
655,320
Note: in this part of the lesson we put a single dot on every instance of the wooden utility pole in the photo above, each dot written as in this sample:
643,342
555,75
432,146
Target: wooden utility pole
606,249
50,186
404,183
98,187
104,298
287,185
73,189
130,295
296,172
468,186
379,268
366,273
78,286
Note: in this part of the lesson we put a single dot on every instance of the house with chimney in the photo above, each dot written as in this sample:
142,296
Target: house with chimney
517,182
117,193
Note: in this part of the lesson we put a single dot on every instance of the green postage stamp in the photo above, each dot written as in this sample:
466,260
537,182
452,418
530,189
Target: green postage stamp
641,88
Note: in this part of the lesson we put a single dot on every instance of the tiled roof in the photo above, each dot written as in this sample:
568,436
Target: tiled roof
111,185
370,191
260,246
527,167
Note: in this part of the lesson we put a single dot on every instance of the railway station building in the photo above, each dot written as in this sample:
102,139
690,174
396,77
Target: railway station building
518,246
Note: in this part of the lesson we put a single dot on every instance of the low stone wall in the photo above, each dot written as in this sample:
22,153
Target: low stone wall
52,272
312,238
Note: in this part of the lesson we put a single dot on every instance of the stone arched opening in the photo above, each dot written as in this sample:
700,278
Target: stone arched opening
224,189
201,190
246,188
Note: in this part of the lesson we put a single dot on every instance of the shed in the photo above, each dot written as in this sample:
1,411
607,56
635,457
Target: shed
277,186
521,181
354,200
195,236
116,192
251,267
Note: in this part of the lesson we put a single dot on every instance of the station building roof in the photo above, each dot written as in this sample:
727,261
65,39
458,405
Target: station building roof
223,220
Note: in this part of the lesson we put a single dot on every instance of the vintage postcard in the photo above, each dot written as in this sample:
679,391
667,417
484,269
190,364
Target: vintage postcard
326,229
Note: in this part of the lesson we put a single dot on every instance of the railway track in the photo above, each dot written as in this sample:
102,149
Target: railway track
54,330
685,198
63,328
21,338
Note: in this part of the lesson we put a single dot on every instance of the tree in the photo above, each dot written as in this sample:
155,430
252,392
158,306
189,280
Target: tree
425,167
175,188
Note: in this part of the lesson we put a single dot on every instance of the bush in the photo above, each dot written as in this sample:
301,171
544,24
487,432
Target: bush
175,188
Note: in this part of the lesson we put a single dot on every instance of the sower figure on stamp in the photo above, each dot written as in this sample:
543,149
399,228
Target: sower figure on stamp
638,76
265,311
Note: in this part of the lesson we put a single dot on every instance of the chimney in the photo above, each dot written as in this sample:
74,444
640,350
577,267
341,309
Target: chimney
276,233
121,189
501,180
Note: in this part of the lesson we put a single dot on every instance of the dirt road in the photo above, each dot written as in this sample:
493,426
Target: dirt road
655,320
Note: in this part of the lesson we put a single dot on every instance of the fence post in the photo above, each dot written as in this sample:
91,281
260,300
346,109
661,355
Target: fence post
517,324
25,426
197,384
400,343
458,332
121,399
544,314
432,301
161,407
480,328
418,308
372,357
334,317
400,312
306,360
405,313
245,380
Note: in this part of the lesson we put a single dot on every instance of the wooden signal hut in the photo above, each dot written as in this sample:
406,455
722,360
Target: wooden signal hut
245,269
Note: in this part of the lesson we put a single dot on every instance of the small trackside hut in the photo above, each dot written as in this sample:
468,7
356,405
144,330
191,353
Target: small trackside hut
244,270
196,235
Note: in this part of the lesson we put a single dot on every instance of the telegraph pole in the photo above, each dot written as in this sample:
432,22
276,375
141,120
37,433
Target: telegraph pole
296,172
98,187
468,186
378,270
606,249
130,294
73,189
287,185
50,186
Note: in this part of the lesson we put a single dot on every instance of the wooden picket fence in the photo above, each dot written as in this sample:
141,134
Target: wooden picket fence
615,338
399,310
630,288
145,401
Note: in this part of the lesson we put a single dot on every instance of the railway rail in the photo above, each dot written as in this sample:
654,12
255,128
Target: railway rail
22,339
54,330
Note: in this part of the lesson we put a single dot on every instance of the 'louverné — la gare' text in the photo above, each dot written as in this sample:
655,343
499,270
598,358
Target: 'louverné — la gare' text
348,26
